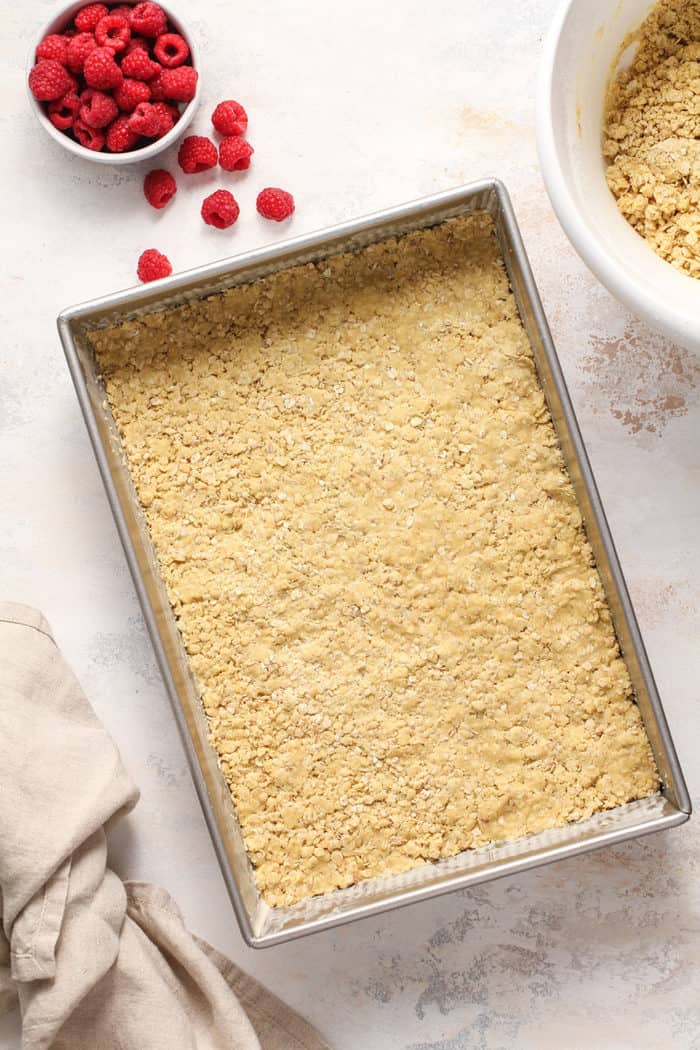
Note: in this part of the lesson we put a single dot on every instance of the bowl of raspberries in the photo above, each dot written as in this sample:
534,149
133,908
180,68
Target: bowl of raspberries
114,83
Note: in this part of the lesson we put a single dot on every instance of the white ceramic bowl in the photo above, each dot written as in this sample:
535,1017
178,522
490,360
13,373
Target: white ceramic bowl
57,24
579,53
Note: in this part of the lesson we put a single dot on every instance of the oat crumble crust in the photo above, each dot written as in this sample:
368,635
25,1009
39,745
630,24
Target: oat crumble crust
376,561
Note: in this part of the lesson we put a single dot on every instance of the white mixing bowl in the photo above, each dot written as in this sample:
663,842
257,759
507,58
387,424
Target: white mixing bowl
578,59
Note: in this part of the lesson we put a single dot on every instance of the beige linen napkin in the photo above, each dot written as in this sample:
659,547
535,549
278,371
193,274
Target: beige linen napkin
96,963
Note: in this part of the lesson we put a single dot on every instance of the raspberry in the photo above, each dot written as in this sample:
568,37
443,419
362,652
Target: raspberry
120,137
137,43
229,118
91,138
156,85
88,17
130,93
235,154
101,71
49,80
179,84
220,209
159,187
53,46
149,20
273,203
62,112
124,10
145,120
137,65
168,116
196,154
171,50
113,32
79,47
97,109
153,265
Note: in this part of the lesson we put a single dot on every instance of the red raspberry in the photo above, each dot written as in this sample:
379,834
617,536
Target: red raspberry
53,46
137,65
145,120
113,32
168,116
196,154
120,137
79,47
159,187
62,112
91,138
153,265
273,203
130,93
179,84
149,20
97,109
229,118
136,43
235,154
220,209
156,86
171,50
124,10
87,18
101,71
49,80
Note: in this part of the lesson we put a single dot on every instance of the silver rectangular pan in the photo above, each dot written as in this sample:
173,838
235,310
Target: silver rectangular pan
260,924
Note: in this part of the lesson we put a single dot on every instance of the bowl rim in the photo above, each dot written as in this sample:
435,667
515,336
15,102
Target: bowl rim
66,11
678,322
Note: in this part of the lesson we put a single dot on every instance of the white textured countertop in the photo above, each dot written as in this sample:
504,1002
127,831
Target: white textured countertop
354,107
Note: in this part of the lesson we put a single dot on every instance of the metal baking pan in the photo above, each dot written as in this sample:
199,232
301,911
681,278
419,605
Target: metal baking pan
260,924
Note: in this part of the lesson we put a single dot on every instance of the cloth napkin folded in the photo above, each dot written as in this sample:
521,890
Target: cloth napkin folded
97,964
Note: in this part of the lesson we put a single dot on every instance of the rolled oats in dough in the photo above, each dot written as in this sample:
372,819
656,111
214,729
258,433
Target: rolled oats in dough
652,134
376,561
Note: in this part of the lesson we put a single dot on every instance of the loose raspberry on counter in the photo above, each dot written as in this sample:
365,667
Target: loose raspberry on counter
101,70
137,65
120,137
114,32
130,93
196,154
79,47
153,265
63,112
235,154
220,209
229,118
168,116
97,109
88,17
53,46
145,120
91,138
149,20
179,84
49,80
273,203
159,187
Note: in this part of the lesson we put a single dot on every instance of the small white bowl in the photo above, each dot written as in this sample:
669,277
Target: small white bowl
57,24
578,60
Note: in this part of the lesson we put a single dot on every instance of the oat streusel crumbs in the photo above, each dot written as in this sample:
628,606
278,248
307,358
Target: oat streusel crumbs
376,561
652,134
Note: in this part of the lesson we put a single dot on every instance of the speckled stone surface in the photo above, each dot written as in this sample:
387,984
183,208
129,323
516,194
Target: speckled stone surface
355,107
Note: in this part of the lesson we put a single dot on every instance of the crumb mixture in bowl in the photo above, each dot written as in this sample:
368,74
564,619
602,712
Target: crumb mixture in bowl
376,561
652,134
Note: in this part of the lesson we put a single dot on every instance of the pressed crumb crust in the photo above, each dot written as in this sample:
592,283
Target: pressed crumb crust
376,561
